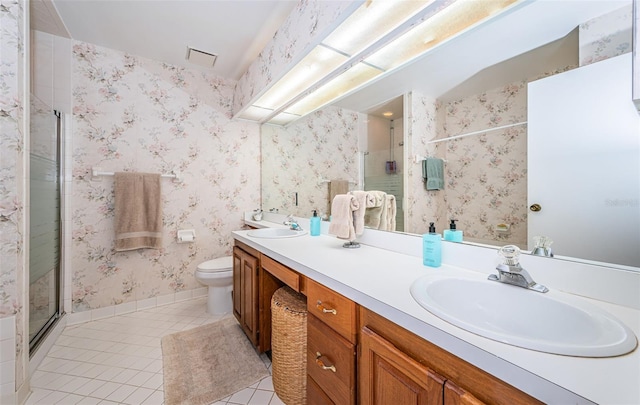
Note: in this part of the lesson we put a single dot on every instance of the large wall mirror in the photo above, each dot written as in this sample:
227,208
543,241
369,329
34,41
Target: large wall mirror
467,102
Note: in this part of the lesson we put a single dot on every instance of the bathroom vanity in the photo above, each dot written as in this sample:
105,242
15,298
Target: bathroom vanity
364,324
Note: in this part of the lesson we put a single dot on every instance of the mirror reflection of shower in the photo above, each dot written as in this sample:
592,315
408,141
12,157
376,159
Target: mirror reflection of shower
383,166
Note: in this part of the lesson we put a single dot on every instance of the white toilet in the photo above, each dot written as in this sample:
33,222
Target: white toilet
217,274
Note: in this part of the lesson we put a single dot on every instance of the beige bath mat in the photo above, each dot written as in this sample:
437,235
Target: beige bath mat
208,363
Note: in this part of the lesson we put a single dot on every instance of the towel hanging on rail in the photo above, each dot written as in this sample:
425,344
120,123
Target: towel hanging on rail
138,211
433,173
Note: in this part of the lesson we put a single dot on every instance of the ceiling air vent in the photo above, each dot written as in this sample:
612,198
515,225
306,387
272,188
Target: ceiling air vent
201,58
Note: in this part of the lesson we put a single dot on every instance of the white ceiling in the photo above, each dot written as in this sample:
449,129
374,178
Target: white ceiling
235,30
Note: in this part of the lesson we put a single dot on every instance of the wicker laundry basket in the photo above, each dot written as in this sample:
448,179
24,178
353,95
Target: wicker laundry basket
289,346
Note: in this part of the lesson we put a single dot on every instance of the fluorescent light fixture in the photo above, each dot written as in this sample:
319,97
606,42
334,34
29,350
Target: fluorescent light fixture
380,36
445,25
356,34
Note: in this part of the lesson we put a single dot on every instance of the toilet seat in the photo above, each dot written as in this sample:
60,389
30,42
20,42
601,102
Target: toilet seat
216,265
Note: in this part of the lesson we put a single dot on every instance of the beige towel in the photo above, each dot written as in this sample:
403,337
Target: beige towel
337,187
391,209
342,208
373,215
138,211
365,200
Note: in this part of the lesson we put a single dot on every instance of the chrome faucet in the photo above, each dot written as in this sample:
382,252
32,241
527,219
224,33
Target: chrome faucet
511,272
292,223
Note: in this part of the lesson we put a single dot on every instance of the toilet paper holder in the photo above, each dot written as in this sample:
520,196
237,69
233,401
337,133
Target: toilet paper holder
186,235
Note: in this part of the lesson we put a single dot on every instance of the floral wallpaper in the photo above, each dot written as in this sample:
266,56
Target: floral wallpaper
306,25
321,146
135,114
485,174
606,36
13,126
422,206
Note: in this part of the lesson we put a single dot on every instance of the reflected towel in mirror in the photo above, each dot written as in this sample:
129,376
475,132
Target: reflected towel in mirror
433,173
365,200
337,187
373,215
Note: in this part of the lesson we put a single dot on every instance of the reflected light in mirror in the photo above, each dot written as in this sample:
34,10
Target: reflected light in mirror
445,24
448,23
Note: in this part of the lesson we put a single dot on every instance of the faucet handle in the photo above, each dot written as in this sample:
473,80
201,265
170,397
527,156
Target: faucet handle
510,253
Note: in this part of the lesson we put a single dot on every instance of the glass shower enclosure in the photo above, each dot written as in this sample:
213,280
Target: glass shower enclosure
45,230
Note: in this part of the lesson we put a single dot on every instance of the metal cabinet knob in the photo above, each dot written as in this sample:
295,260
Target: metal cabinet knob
535,207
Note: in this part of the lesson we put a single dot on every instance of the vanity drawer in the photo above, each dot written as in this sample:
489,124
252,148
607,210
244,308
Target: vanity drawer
333,309
331,362
281,272
315,395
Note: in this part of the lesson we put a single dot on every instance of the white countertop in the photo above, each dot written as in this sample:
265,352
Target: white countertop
380,279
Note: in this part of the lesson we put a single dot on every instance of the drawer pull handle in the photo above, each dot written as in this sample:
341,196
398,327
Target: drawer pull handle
325,310
321,363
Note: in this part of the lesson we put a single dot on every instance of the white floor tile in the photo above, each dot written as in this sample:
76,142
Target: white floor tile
140,378
121,393
70,399
156,398
276,400
266,384
154,382
36,396
89,401
242,397
89,387
105,390
109,373
138,396
125,376
261,398
118,360
74,384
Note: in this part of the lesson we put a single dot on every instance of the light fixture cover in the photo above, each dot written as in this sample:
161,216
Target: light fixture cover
201,58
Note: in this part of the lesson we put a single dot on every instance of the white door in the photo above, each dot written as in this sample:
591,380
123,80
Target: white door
584,163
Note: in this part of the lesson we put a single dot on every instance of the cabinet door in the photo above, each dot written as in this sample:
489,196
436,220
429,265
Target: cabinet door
249,282
388,376
237,284
454,395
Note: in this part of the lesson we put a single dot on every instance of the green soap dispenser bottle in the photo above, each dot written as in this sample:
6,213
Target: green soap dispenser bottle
452,234
315,224
432,248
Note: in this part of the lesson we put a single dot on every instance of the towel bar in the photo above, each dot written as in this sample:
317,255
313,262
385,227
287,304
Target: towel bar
97,172
329,181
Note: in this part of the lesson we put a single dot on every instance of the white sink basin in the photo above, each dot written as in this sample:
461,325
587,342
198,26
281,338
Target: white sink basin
275,233
528,319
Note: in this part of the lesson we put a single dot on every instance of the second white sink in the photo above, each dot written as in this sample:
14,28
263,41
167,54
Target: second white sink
523,318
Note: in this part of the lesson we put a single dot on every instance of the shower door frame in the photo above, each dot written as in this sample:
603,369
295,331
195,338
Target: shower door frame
41,335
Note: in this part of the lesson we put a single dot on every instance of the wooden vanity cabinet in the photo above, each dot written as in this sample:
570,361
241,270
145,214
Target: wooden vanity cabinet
390,376
331,346
246,266
393,359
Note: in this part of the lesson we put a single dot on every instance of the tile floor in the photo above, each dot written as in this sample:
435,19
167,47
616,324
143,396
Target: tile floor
118,360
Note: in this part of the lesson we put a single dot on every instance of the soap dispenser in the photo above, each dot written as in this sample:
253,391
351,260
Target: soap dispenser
315,224
452,234
431,247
